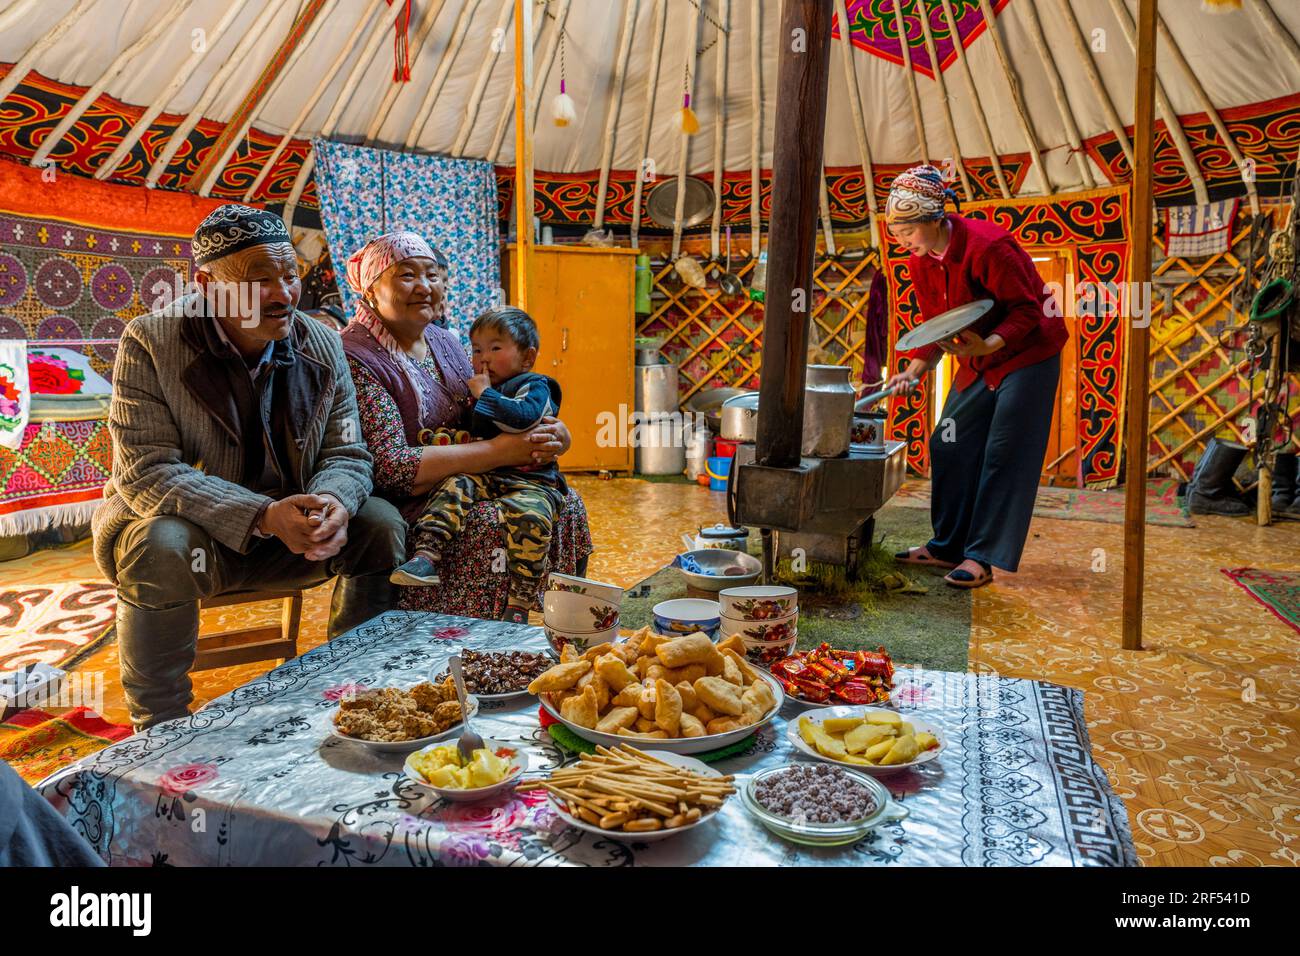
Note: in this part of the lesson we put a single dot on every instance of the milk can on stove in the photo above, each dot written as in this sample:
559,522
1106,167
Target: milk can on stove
827,411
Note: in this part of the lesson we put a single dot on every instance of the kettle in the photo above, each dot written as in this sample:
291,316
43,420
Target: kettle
718,536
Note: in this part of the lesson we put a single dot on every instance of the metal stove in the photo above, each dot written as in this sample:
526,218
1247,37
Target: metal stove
824,507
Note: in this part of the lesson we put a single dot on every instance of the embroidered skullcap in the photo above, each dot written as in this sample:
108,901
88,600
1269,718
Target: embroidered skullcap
918,195
231,228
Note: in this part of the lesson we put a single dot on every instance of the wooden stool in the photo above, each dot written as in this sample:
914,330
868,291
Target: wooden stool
249,644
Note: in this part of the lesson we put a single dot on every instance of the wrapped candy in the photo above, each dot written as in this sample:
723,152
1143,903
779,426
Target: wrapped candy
855,677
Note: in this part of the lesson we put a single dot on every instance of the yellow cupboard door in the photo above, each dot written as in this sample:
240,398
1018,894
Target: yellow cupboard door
583,301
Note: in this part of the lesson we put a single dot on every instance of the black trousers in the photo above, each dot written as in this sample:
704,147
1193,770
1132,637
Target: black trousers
986,456
167,565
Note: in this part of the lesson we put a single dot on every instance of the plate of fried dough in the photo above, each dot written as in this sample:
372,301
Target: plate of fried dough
679,694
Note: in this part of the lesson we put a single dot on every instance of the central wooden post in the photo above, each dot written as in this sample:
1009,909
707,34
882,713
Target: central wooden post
1138,398
803,67
523,148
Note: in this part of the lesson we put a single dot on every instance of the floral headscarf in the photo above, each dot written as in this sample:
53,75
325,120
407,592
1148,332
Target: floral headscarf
365,266
918,195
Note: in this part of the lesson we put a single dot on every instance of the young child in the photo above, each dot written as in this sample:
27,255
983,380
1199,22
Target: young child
511,398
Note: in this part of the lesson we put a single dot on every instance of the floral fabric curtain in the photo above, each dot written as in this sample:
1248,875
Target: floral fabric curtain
451,202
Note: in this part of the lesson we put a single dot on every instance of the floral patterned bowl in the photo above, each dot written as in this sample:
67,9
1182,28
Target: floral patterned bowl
518,764
575,613
686,616
761,602
582,641
782,629
609,593
766,653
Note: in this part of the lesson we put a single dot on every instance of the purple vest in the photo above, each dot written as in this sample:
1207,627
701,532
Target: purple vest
442,404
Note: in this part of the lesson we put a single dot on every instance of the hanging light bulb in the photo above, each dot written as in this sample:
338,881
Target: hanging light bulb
563,111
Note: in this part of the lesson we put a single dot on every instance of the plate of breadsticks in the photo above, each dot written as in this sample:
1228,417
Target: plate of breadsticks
634,794
681,694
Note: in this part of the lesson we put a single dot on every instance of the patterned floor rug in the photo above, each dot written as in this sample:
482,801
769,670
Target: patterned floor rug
1279,591
1071,504
53,623
36,743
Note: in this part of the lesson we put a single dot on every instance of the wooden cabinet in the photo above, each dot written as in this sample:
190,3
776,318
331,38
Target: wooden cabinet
583,301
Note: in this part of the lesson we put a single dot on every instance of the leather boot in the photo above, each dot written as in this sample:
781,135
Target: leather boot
1211,491
1286,487
156,650
358,599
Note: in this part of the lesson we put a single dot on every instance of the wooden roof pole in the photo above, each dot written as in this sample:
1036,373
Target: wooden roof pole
647,116
1094,78
719,125
1022,112
943,97
1035,27
615,107
684,148
975,99
506,120
15,12
1173,126
801,86
377,36
233,62
1138,396
302,31
395,89
523,149
1275,28
111,72
312,100
912,92
454,43
548,58
141,126
859,126
481,81
755,134
28,60
1190,77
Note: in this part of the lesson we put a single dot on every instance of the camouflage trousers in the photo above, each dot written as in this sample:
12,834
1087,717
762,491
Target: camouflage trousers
527,511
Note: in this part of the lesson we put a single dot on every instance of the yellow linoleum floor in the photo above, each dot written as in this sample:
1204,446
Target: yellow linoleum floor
1199,732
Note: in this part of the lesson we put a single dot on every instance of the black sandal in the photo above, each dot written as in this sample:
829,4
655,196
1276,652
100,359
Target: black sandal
960,578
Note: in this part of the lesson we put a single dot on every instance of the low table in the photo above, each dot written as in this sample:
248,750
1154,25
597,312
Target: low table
255,778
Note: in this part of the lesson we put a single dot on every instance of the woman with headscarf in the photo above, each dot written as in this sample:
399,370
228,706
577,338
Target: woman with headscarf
987,452
411,379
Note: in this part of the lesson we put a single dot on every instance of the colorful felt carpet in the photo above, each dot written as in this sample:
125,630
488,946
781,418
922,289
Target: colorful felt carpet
1072,504
53,623
36,743
1279,591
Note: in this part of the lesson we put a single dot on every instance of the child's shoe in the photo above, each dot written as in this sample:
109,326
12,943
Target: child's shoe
419,572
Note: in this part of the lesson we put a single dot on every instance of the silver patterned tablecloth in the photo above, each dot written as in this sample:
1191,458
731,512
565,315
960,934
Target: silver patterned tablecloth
255,778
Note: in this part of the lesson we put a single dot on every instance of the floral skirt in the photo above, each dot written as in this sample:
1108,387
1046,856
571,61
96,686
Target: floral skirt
474,578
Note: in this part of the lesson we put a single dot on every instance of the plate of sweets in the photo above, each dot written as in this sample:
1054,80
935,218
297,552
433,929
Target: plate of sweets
825,675
499,675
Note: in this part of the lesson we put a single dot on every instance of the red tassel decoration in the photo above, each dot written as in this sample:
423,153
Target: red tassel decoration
401,53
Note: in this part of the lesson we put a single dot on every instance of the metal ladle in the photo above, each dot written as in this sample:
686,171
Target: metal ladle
730,282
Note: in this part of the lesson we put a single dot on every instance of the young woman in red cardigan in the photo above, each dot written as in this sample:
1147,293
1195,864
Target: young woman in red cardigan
987,452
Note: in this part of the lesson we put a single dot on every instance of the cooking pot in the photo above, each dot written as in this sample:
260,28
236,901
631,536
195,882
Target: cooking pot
739,418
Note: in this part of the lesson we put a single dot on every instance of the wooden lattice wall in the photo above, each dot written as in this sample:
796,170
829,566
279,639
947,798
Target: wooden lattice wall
716,340
1202,385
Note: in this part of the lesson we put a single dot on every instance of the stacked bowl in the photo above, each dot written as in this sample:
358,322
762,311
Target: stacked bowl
765,617
580,612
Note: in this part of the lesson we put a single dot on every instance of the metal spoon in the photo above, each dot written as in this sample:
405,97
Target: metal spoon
864,403
730,282
469,741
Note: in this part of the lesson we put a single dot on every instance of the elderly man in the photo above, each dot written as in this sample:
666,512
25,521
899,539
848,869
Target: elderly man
237,461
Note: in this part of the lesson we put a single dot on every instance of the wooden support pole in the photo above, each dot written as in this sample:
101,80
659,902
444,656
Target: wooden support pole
1035,28
523,149
1137,399
719,126
9,82
449,53
614,109
481,81
803,71
982,120
647,116
930,48
913,94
